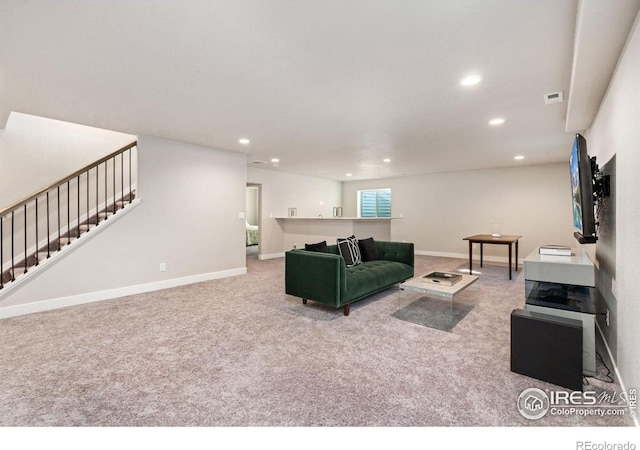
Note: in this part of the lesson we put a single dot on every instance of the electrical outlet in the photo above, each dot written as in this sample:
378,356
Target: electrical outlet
607,318
163,267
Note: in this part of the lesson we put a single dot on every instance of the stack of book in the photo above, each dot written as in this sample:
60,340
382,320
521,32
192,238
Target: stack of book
556,250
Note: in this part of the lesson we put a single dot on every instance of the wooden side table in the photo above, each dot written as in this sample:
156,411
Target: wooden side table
482,239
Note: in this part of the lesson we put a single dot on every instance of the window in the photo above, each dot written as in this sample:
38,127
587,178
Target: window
374,203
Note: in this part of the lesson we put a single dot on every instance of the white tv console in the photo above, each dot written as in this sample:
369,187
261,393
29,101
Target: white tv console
564,286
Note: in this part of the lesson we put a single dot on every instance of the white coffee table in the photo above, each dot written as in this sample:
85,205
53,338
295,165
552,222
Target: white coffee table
440,290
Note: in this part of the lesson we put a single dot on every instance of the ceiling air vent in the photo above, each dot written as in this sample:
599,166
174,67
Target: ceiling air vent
553,97
257,161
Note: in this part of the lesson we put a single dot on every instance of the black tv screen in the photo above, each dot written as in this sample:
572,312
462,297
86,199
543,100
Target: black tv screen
584,221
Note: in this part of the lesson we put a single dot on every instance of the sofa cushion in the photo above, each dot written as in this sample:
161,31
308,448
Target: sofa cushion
372,276
318,247
368,249
349,250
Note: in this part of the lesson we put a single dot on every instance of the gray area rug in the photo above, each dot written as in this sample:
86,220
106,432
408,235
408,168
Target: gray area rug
438,313
239,352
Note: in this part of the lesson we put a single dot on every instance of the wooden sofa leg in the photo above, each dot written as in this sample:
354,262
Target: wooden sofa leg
304,301
345,309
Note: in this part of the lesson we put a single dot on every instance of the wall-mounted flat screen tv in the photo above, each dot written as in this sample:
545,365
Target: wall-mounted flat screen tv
584,221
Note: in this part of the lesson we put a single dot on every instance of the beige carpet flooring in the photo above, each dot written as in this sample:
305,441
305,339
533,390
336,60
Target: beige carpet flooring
239,352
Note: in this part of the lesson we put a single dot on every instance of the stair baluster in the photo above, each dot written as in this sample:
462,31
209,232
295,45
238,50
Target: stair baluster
48,230
13,262
88,226
113,165
1,253
25,239
68,213
59,237
37,257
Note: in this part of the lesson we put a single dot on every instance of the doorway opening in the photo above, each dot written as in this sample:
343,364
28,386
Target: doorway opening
252,214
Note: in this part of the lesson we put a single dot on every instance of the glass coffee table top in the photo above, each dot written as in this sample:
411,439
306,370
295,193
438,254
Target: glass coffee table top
441,290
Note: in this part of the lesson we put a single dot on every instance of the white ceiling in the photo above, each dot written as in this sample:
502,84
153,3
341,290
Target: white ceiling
328,87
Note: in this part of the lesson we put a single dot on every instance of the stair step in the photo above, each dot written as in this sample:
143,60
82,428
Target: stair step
64,240
19,268
7,277
18,274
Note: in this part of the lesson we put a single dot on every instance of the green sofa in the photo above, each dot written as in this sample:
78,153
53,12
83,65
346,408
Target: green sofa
325,278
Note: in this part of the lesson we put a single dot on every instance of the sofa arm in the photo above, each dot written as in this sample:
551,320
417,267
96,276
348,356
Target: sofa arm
316,276
396,251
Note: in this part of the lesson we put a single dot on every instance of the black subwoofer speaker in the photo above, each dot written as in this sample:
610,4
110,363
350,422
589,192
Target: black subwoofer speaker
548,348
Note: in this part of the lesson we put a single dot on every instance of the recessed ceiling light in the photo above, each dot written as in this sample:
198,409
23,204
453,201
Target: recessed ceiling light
470,80
387,160
244,141
496,121
275,160
518,157
348,174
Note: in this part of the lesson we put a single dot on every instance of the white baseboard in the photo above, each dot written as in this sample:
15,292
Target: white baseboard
465,256
634,420
271,255
442,254
73,300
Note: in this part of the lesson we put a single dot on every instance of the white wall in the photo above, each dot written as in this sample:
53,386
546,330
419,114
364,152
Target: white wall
616,133
439,210
188,218
280,191
51,150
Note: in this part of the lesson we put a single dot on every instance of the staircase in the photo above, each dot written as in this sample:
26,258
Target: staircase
33,230
58,243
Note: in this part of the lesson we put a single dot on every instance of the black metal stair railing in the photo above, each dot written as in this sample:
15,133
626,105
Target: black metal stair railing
22,226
